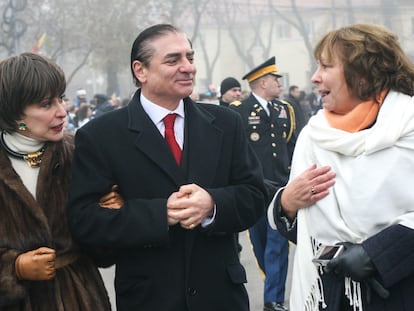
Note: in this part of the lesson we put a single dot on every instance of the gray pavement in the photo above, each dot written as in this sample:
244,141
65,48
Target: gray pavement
254,284
254,281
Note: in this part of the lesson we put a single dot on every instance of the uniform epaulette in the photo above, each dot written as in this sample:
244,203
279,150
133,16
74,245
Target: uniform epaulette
236,103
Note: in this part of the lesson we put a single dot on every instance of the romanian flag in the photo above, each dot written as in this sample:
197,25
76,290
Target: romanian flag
39,43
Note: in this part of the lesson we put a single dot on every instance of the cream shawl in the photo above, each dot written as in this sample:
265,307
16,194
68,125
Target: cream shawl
373,190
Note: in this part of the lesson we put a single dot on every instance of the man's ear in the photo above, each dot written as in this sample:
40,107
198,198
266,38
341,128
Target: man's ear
140,71
262,82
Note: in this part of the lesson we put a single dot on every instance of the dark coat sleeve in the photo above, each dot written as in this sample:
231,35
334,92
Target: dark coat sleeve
392,251
92,178
243,200
286,227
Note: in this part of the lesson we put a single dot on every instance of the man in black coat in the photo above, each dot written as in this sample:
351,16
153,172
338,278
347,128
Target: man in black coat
172,237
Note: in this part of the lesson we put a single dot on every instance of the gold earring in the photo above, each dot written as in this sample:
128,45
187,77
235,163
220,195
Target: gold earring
22,126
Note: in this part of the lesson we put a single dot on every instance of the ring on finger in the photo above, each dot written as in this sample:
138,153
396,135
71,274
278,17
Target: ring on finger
192,226
312,190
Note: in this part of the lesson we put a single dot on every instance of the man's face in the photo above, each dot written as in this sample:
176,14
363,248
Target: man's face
170,74
273,87
231,95
296,93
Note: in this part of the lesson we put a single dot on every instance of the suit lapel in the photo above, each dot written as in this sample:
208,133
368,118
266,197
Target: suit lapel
202,146
201,150
150,141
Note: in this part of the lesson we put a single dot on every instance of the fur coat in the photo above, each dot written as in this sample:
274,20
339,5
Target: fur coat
27,224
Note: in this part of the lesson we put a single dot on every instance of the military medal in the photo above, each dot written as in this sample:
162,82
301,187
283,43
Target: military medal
282,113
253,119
254,136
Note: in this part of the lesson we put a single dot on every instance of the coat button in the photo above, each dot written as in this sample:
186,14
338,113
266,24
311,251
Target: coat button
192,291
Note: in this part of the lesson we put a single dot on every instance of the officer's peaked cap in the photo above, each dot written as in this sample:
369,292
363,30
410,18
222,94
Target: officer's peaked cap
268,67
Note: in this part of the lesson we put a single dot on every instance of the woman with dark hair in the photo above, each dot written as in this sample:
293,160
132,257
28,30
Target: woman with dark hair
41,266
365,133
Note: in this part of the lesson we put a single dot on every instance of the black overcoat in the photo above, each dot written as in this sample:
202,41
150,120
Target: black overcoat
160,267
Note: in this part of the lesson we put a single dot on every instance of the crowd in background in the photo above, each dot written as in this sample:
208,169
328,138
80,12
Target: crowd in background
80,110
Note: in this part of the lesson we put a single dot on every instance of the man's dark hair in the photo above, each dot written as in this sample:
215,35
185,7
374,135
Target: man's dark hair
141,49
293,88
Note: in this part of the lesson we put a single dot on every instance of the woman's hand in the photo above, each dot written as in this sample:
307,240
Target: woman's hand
307,188
36,265
112,200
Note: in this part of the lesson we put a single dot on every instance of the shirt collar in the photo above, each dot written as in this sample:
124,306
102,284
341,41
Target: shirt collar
262,102
156,112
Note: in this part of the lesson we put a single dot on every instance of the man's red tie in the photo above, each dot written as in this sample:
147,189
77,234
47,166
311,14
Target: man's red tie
170,136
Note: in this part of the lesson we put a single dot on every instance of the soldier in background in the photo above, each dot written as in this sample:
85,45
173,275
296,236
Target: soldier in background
230,90
270,127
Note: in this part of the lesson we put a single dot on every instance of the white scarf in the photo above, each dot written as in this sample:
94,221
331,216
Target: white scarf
373,190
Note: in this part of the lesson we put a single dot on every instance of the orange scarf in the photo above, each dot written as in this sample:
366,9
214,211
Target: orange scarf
359,118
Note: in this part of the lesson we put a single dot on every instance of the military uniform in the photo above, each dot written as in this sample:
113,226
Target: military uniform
273,136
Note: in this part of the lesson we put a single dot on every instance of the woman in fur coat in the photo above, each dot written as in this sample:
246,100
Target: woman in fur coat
41,268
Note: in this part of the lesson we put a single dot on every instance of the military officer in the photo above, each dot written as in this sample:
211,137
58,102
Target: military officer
271,129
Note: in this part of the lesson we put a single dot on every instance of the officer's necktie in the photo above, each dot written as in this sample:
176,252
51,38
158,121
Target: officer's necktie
170,136
270,108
